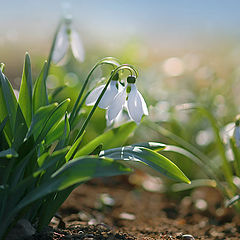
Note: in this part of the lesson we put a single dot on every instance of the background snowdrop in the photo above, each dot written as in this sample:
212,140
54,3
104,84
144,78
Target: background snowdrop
67,37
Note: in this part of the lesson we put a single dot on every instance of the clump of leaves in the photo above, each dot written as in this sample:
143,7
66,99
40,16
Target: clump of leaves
40,164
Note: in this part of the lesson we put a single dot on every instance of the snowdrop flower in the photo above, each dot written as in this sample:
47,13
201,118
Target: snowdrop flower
136,105
67,37
108,96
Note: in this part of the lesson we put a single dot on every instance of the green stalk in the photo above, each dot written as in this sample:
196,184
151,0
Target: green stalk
74,111
51,51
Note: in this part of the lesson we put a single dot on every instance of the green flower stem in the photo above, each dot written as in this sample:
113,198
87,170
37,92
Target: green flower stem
76,109
115,71
51,50
82,102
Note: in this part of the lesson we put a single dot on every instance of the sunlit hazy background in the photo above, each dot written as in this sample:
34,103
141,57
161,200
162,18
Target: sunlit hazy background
186,52
141,31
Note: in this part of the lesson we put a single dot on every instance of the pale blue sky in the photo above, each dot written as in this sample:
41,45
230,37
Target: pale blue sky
171,17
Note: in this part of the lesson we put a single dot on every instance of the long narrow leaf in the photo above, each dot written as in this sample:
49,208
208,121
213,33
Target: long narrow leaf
8,105
3,141
147,160
53,119
39,120
74,147
2,124
40,97
57,132
25,94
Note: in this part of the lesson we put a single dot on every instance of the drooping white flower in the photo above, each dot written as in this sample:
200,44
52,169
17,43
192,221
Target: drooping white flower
66,38
107,98
136,105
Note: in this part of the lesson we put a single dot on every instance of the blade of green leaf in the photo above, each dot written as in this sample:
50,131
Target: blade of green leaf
2,124
39,119
40,97
110,139
74,147
205,168
20,167
55,133
146,160
64,139
62,129
8,106
53,119
25,94
21,129
50,162
177,187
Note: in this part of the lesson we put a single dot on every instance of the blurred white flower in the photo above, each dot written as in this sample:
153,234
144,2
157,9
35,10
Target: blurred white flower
136,105
67,37
107,98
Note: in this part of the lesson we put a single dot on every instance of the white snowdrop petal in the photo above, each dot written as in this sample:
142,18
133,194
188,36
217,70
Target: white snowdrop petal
109,95
93,96
77,46
117,105
144,105
61,45
134,102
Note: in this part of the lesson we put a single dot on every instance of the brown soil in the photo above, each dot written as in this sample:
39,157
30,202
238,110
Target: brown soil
114,209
